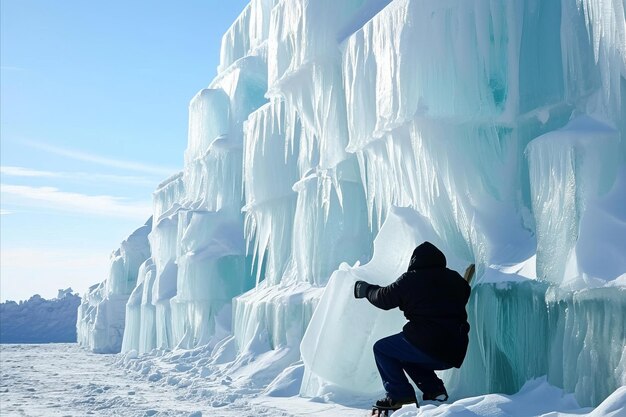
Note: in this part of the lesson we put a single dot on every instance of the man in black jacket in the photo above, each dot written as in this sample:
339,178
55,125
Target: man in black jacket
433,299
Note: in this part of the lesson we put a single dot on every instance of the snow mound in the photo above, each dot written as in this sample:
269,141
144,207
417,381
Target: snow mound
537,398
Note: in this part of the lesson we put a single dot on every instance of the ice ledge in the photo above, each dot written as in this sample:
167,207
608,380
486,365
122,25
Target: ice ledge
172,178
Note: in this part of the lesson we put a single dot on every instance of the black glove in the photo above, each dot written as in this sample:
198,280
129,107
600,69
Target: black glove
361,288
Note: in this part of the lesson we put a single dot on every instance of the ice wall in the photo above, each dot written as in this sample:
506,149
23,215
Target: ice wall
148,310
270,169
570,168
335,130
519,329
304,66
211,252
454,153
101,315
594,43
305,206
442,99
197,242
211,272
86,315
247,34
577,339
134,322
167,201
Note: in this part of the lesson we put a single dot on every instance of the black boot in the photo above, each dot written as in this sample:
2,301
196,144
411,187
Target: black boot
389,403
439,395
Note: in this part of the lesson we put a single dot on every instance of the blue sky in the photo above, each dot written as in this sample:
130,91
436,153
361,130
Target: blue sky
93,115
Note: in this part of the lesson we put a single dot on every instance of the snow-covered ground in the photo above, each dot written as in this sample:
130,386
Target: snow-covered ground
65,380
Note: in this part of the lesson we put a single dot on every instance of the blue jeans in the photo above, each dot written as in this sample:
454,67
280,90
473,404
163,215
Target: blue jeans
395,355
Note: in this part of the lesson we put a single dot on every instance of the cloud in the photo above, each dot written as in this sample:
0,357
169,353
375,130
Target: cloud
25,172
100,160
102,205
14,171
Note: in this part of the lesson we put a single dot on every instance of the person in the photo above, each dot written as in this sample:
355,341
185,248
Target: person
433,299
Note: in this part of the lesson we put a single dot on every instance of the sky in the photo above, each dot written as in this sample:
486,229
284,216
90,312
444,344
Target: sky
93,116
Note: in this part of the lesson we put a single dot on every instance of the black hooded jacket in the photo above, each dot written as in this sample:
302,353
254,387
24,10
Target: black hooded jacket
433,299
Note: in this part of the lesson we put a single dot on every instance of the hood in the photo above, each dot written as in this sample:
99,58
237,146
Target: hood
427,255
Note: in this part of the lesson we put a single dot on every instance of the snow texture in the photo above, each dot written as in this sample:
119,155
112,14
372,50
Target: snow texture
339,135
34,382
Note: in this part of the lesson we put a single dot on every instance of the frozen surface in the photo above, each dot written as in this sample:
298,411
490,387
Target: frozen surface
38,320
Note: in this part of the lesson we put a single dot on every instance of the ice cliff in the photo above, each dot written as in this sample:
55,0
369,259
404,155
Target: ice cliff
337,136
101,314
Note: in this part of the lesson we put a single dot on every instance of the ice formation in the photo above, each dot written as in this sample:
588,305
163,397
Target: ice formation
338,135
38,320
101,314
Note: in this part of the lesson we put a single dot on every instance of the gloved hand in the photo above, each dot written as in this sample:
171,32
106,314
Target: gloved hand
360,289
469,273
